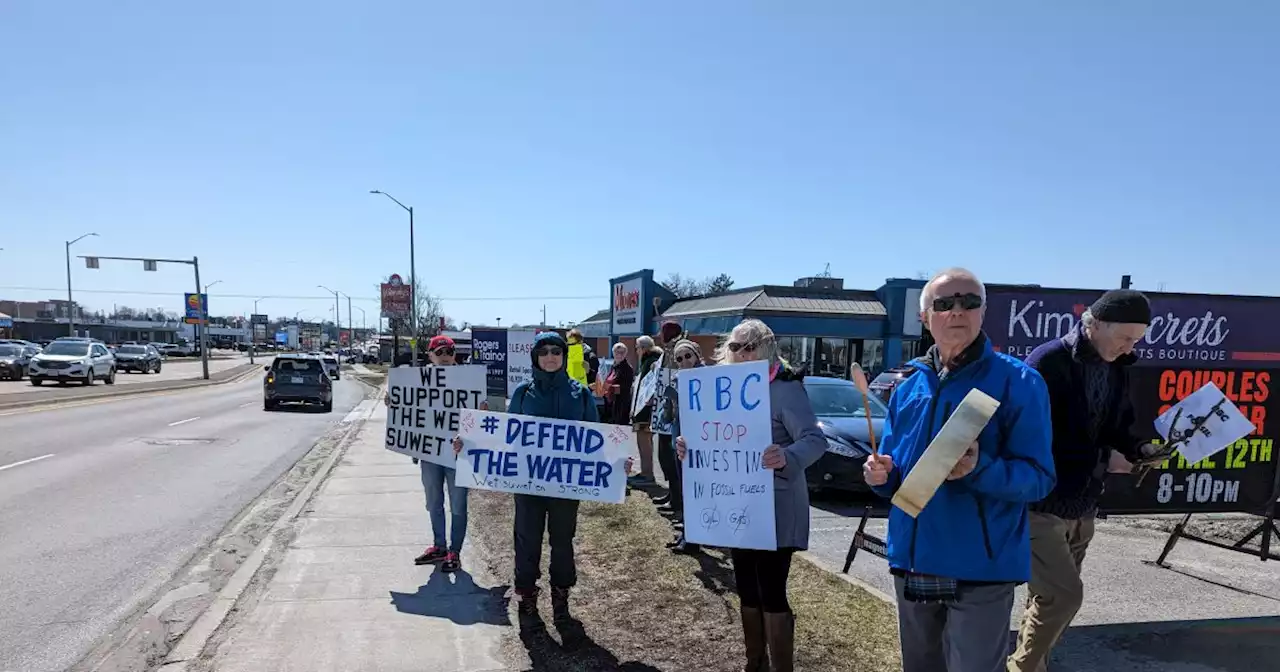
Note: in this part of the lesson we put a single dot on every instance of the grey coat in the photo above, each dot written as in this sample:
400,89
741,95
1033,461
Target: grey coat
795,430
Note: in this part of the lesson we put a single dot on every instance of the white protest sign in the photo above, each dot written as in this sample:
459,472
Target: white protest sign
664,393
643,391
544,456
519,358
423,406
1209,423
726,424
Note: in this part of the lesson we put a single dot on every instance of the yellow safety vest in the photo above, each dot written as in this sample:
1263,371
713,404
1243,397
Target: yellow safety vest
577,364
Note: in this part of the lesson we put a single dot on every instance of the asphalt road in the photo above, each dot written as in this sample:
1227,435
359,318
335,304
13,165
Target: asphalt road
102,502
172,369
1136,616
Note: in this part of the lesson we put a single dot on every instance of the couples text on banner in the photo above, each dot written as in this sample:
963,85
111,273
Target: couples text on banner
1209,421
726,423
944,451
544,456
423,406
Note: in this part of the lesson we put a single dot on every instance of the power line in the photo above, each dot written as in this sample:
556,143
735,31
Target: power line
306,298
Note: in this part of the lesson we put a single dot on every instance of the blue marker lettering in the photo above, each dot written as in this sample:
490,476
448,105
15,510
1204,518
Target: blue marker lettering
594,441
722,393
513,430
746,404
695,402
557,438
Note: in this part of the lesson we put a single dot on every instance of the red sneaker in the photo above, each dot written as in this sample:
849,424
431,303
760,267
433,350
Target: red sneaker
452,563
432,555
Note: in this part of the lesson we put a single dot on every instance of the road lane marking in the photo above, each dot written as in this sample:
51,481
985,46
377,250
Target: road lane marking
19,464
248,404
76,402
183,422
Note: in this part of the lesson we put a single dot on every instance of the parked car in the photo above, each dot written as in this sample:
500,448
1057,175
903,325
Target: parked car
13,361
140,358
332,367
296,379
73,359
882,386
842,416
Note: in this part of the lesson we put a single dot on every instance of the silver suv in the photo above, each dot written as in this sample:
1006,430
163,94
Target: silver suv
73,360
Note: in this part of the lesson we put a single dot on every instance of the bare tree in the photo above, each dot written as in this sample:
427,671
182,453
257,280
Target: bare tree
430,309
684,287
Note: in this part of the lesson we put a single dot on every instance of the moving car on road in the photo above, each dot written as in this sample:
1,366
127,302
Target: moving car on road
140,358
296,379
843,419
332,367
73,359
13,361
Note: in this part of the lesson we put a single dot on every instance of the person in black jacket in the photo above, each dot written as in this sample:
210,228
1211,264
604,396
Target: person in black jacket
1093,417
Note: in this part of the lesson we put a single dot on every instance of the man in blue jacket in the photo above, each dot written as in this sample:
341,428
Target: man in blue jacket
957,563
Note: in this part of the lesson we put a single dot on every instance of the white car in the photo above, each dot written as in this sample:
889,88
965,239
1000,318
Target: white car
69,360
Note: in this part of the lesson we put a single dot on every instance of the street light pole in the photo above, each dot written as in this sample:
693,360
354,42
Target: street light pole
202,328
253,331
71,313
413,277
337,312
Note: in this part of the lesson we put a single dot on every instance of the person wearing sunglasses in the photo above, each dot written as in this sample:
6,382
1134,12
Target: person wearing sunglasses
550,394
438,479
688,355
956,564
768,625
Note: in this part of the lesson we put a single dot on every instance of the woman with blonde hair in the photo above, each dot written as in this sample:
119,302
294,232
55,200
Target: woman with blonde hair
768,626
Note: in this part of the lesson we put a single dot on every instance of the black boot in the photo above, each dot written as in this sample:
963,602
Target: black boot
780,631
753,636
560,605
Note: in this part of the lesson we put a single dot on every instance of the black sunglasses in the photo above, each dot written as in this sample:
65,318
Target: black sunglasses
440,352
968,301
681,358
734,346
554,352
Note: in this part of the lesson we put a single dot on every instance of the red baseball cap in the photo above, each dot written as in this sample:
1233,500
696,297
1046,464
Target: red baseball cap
440,341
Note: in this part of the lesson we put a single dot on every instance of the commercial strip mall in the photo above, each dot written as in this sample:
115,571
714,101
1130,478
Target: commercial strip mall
826,326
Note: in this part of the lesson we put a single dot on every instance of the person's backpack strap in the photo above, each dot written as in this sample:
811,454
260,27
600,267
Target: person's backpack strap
524,392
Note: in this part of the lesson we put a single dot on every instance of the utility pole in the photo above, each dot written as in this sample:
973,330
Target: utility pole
544,314
71,312
351,336
337,313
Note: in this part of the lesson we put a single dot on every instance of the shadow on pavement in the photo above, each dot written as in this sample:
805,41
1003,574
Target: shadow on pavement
575,652
1217,645
455,597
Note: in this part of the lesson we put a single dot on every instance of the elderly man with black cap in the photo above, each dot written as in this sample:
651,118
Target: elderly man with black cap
1086,373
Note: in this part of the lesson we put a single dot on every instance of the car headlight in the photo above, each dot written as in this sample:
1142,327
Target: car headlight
854,450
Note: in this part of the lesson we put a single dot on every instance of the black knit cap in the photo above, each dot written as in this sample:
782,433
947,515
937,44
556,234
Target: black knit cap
1125,306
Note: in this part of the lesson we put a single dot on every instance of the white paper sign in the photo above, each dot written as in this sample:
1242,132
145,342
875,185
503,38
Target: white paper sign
644,392
1223,423
519,358
664,393
423,406
544,456
726,423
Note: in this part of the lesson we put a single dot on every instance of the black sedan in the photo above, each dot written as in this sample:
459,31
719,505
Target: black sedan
139,358
13,361
842,416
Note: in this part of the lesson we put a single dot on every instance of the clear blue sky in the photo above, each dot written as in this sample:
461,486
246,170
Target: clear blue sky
548,146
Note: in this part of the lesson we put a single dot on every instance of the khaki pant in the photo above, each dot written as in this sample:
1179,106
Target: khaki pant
1056,592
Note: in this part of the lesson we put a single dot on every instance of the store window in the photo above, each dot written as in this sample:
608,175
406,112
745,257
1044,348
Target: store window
833,358
872,356
910,350
798,350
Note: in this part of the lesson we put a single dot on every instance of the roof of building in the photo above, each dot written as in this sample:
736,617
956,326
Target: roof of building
781,299
598,316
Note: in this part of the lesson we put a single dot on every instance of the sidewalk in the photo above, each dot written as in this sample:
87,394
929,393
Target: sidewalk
346,596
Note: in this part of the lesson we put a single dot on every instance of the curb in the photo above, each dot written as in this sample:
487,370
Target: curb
232,375
851,580
193,641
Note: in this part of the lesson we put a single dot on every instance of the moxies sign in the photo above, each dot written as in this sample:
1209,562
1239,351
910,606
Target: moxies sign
1217,331
628,307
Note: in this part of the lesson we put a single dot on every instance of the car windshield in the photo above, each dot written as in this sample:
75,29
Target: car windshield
330,360
10,350
842,401
133,349
297,365
71,348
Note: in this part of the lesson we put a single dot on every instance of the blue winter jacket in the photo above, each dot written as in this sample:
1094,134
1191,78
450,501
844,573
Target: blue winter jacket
975,528
553,394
